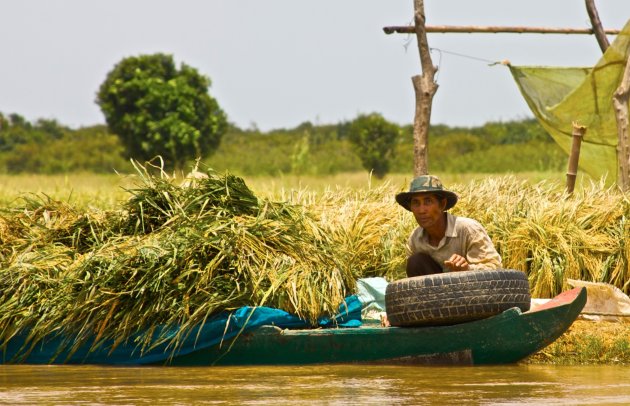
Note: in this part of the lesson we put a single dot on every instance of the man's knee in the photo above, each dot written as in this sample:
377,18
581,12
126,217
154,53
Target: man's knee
419,264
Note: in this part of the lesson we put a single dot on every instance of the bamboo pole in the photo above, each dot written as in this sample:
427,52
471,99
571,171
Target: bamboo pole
493,30
620,104
574,157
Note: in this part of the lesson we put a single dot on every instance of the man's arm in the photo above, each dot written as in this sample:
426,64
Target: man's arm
480,251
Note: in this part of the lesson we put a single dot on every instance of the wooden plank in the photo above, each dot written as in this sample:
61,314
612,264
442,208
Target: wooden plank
493,30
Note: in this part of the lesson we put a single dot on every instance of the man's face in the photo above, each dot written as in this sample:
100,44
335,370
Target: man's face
427,208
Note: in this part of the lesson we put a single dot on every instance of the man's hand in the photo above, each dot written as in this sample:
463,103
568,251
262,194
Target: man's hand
456,263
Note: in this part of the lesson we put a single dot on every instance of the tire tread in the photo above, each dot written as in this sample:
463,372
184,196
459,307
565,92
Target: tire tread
455,297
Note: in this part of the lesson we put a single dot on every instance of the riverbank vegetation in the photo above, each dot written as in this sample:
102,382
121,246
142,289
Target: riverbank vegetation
588,342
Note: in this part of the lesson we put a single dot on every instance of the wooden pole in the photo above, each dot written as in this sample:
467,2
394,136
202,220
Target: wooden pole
620,104
424,87
471,29
598,29
574,158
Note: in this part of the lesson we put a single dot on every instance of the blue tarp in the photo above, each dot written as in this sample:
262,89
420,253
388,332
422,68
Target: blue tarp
225,326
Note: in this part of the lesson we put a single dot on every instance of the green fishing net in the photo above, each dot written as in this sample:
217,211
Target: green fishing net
559,96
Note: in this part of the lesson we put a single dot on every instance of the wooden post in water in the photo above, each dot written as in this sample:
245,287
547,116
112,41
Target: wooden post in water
574,158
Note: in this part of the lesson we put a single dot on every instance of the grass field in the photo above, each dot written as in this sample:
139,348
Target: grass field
276,186
106,191
83,190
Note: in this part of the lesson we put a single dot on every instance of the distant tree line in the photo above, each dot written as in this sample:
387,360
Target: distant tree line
496,147
46,146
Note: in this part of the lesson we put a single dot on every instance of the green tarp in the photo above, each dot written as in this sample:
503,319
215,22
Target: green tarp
560,96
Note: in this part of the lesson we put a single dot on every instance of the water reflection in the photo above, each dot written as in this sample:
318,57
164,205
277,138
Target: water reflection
329,384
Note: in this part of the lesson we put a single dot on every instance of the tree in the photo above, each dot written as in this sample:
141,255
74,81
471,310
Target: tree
157,109
374,139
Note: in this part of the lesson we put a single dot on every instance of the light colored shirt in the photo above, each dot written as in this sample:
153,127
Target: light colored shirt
464,236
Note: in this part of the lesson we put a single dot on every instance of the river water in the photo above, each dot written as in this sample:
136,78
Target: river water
321,384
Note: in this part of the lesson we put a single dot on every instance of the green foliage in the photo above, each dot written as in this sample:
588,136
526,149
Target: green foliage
49,148
157,109
304,150
329,150
532,156
458,143
374,139
300,157
511,132
16,130
501,147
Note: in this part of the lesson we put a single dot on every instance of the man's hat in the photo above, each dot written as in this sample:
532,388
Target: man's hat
426,184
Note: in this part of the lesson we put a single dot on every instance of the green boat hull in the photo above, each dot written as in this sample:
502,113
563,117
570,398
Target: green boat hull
505,338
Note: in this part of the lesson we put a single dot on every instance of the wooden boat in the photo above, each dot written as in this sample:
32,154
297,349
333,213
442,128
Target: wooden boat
505,338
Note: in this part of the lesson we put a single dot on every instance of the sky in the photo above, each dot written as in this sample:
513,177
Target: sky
279,63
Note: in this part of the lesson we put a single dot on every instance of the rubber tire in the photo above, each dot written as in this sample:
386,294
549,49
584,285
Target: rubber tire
455,297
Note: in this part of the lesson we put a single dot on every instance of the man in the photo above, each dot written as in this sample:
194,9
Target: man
443,242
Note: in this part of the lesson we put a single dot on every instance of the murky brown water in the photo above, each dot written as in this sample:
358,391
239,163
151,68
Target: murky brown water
343,384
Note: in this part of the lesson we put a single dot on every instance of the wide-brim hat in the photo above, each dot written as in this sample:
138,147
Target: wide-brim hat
426,184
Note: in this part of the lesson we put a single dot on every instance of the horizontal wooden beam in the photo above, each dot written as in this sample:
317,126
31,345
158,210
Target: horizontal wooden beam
410,29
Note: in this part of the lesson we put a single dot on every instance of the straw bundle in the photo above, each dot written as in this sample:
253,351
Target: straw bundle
171,255
368,229
552,236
